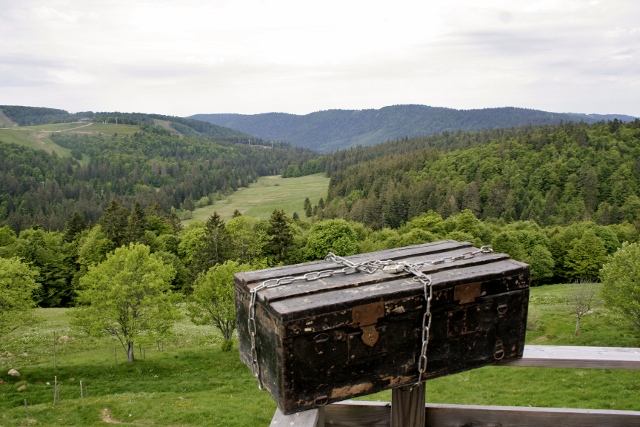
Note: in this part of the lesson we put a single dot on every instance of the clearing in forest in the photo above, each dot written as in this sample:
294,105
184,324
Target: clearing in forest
261,198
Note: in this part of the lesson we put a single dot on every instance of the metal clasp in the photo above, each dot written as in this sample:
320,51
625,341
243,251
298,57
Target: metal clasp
367,316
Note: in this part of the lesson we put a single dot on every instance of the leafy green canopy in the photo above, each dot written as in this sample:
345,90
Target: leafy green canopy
213,302
17,285
127,295
621,282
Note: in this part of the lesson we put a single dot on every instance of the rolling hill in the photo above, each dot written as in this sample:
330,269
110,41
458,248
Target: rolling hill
11,115
331,130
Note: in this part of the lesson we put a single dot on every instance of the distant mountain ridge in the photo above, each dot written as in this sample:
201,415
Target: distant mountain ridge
331,130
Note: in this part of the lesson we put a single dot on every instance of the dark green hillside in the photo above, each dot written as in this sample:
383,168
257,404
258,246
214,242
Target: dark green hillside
554,175
149,167
331,130
31,116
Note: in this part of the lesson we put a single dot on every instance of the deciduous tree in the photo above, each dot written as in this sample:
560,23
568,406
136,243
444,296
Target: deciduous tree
17,284
126,296
621,282
332,235
212,301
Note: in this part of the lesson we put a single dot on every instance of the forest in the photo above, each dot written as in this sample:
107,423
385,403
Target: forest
150,166
562,198
551,175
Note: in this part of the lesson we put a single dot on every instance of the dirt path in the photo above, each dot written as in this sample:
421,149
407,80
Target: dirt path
106,417
51,131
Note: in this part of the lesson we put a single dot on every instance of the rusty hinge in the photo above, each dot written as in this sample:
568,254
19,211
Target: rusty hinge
367,316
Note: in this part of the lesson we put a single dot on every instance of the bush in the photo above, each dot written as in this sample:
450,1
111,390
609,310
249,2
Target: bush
227,345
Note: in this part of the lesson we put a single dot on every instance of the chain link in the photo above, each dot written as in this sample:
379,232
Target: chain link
368,267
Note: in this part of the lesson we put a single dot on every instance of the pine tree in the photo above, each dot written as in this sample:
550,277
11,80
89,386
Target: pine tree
280,236
114,222
136,224
74,226
215,248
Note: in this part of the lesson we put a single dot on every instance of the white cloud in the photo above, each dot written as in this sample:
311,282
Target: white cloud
253,56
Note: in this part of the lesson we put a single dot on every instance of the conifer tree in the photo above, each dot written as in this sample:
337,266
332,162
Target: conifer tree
114,222
280,236
215,247
74,226
136,224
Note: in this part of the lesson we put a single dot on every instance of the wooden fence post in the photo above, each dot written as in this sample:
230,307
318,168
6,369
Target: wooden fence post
407,406
54,350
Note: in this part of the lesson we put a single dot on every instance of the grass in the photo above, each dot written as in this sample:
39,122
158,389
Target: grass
193,383
165,125
31,138
261,198
5,121
38,137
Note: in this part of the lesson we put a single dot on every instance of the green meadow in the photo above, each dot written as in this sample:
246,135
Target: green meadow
261,198
187,380
38,137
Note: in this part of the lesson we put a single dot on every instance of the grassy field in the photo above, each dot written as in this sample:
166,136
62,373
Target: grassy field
193,383
165,125
31,138
261,198
5,121
38,137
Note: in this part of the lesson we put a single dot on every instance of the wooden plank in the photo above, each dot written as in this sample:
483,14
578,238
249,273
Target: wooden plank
578,357
515,416
384,286
352,413
407,406
345,281
301,419
252,278
377,414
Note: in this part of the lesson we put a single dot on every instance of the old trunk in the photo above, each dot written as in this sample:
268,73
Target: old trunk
325,333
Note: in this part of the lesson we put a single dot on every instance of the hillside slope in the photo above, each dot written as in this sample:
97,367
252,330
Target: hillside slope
331,130
49,171
34,116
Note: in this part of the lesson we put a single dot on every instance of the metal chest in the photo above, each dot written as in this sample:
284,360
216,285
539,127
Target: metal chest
331,330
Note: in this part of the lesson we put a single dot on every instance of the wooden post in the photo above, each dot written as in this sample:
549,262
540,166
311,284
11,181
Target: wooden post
54,350
303,419
26,408
56,391
408,406
81,394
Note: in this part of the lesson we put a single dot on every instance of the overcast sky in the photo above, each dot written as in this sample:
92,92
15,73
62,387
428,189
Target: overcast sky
243,56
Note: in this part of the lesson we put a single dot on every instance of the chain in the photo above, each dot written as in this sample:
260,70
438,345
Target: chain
368,267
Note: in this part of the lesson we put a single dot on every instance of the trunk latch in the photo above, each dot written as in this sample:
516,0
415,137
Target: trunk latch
366,316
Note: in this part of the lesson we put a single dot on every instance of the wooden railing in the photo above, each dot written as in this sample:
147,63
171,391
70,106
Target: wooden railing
407,410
